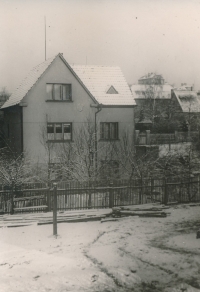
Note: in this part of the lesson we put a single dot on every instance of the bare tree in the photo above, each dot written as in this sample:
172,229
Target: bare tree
49,149
15,169
4,94
77,158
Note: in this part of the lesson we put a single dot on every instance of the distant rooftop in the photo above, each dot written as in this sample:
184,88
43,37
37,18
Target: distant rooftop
151,76
188,100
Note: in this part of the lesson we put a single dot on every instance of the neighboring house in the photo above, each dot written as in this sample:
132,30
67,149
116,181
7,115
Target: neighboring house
151,78
166,119
185,118
186,105
185,87
55,99
152,95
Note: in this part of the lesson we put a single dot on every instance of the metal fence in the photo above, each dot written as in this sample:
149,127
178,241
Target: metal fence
100,194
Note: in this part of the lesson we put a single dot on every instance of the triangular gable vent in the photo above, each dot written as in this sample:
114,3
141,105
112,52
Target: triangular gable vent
112,90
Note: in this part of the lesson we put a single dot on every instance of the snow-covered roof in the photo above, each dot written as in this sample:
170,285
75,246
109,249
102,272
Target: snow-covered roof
27,83
98,79
188,100
161,91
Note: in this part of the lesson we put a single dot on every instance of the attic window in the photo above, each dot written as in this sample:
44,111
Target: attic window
58,92
112,90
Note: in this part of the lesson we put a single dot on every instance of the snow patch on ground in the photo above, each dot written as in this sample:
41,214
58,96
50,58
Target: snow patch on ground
144,254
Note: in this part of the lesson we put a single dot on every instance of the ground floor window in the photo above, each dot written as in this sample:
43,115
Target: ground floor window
59,131
109,131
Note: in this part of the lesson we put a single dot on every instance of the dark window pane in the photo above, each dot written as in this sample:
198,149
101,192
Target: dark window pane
50,131
58,131
67,131
57,91
112,130
106,130
49,91
66,91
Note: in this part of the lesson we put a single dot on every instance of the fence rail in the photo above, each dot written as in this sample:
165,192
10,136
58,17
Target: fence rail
100,194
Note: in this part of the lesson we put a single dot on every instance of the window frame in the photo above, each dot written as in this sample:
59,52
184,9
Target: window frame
107,133
56,133
53,93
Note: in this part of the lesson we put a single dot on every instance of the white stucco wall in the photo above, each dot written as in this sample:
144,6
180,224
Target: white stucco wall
38,111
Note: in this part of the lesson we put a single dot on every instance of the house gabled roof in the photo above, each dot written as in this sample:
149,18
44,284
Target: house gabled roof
94,79
98,79
26,85
189,101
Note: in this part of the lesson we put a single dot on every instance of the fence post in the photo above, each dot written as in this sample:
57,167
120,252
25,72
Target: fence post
48,199
141,191
111,201
55,209
165,192
152,186
89,197
12,198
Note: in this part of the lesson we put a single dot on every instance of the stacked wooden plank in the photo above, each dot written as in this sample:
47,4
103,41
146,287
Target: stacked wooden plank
47,218
103,215
141,211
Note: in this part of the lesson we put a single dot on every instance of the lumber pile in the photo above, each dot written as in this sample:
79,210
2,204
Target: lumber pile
18,220
141,211
103,215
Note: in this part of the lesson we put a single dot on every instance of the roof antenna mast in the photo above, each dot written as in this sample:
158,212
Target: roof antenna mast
45,46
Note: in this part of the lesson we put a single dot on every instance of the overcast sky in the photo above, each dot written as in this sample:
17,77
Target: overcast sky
139,36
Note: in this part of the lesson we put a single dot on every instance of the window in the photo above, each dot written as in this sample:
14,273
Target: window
109,131
59,131
59,92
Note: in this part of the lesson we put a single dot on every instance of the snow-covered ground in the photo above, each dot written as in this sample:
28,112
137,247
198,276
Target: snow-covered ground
131,254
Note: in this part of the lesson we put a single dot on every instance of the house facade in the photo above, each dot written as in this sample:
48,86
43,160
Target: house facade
56,99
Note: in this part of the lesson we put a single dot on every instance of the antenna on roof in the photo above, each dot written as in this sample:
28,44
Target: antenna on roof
45,46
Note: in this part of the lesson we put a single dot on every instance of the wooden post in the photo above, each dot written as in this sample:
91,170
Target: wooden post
55,209
111,201
48,199
152,186
141,191
89,197
12,198
165,192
